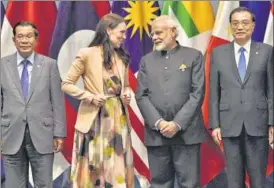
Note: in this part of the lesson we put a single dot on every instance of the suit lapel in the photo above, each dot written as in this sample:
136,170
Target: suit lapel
253,54
36,72
13,69
120,69
233,63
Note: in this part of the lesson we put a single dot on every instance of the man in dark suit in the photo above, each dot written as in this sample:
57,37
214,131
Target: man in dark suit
241,101
32,111
170,93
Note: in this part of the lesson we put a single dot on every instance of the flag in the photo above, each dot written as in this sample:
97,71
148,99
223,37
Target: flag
195,20
74,29
221,34
138,16
2,13
268,37
42,14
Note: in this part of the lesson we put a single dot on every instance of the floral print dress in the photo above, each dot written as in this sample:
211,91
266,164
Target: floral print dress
102,158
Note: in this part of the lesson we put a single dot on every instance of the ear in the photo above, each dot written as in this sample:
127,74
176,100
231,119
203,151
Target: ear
109,31
13,39
253,25
174,31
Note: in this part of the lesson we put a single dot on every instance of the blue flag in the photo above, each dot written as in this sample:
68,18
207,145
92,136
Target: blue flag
261,11
2,13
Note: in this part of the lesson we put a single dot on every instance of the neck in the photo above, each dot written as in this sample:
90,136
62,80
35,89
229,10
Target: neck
172,45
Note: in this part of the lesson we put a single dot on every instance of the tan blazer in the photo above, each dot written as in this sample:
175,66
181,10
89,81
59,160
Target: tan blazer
89,64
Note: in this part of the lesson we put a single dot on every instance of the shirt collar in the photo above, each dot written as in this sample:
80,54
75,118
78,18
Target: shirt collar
20,58
246,46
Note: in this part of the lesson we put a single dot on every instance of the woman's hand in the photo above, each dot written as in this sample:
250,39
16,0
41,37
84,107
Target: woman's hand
97,100
126,97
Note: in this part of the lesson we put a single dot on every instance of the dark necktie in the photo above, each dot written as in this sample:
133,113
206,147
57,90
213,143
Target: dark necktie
25,79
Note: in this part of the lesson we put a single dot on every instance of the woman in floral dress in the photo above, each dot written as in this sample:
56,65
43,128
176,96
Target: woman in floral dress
102,151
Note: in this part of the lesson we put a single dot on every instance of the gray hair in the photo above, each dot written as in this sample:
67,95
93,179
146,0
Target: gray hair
169,21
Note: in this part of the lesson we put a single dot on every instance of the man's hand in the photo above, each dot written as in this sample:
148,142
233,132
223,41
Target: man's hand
162,124
216,134
271,134
58,144
170,129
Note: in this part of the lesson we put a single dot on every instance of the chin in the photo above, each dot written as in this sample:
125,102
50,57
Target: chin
159,48
117,46
241,39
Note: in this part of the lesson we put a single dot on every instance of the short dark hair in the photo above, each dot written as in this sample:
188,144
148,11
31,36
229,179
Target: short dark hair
242,9
25,23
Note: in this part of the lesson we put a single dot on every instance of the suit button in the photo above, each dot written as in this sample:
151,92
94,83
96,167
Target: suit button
241,102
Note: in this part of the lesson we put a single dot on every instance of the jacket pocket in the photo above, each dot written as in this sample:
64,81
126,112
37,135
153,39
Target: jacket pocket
5,122
223,107
262,106
48,122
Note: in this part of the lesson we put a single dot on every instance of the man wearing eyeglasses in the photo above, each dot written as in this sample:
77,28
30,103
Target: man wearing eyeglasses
32,111
241,101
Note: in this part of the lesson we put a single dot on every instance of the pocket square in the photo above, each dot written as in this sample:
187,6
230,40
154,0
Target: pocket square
182,67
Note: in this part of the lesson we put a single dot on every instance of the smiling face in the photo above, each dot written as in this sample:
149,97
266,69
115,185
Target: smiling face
25,40
117,35
163,36
242,26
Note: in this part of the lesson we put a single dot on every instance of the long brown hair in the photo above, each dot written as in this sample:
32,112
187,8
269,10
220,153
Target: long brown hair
101,38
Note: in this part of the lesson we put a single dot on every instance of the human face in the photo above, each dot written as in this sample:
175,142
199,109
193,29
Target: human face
25,40
163,36
242,26
117,35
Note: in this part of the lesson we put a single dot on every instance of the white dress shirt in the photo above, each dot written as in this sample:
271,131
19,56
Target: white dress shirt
20,65
238,53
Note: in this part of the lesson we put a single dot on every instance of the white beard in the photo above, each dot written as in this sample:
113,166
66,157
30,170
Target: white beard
160,47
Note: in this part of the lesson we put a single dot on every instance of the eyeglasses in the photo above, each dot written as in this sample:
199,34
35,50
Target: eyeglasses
22,37
235,24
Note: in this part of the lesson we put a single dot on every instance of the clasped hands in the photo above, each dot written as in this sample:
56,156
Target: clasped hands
168,128
99,100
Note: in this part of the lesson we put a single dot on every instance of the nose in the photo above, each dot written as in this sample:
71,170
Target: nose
154,37
240,27
124,36
24,40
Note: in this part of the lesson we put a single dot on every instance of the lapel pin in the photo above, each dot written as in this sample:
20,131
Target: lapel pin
182,67
257,53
